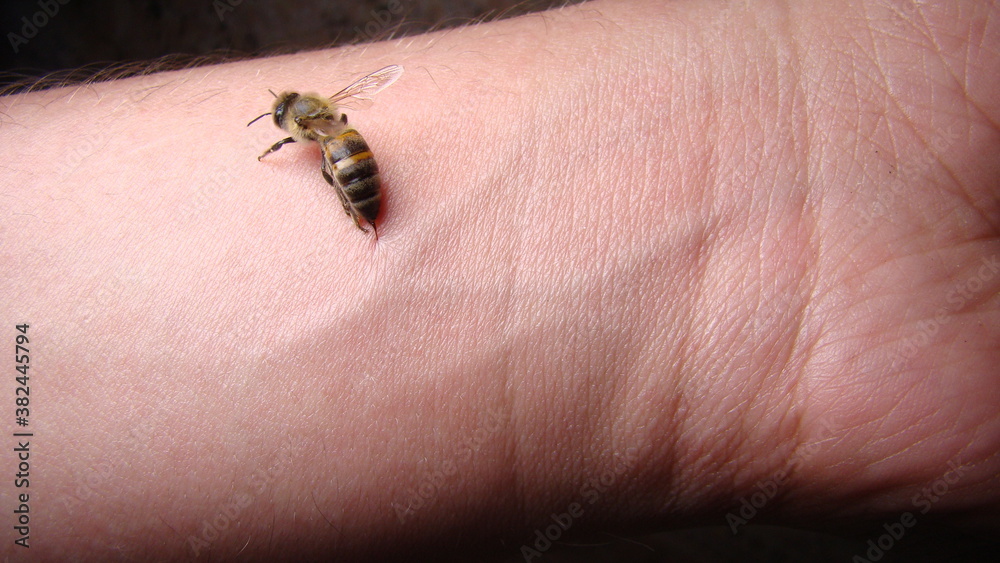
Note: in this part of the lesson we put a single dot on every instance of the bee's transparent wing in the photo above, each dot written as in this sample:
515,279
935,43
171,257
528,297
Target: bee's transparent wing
359,94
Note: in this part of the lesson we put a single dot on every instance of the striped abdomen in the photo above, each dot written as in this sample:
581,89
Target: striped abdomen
349,166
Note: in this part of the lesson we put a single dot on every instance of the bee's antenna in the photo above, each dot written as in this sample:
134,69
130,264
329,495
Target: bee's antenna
258,117
375,228
262,115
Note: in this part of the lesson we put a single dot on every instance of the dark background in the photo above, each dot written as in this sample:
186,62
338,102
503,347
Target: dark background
101,39
84,37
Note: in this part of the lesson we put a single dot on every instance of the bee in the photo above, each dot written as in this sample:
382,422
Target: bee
348,164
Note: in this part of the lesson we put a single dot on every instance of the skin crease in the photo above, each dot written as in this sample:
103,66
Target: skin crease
687,247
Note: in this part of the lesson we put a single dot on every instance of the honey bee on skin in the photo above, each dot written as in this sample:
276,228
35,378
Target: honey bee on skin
348,164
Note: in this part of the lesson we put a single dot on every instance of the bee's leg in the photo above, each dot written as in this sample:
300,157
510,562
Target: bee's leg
357,223
276,146
343,118
310,120
325,169
326,175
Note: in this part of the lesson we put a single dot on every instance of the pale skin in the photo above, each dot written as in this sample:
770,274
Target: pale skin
686,246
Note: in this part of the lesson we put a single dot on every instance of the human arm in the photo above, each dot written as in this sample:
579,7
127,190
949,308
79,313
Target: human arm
643,232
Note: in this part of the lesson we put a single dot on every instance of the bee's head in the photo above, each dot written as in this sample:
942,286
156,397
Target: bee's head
281,108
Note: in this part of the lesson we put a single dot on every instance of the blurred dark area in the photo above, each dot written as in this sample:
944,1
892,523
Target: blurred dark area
54,42
80,39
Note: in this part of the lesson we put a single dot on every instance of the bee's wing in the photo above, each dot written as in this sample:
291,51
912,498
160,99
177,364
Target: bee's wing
359,93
